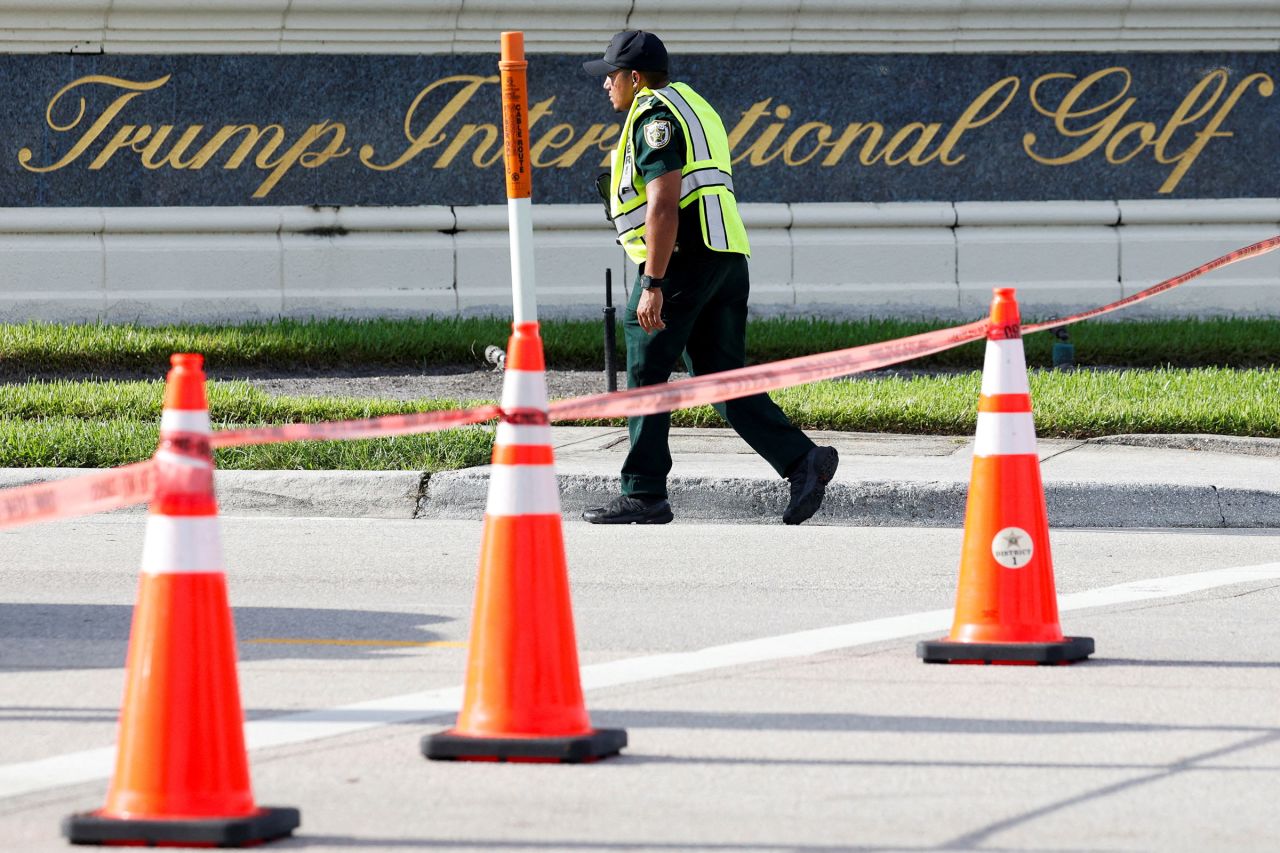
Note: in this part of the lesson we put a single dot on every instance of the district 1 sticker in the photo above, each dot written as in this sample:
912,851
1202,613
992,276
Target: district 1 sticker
1012,547
657,133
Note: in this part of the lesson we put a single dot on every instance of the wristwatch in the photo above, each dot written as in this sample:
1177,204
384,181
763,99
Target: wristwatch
648,282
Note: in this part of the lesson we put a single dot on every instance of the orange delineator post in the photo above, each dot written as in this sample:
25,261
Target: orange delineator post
515,115
523,695
513,71
1006,603
182,773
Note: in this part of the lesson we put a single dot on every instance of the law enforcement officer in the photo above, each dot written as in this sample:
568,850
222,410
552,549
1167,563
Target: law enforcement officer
670,195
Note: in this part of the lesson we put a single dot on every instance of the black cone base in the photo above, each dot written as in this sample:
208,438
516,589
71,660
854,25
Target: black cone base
268,824
578,749
1070,650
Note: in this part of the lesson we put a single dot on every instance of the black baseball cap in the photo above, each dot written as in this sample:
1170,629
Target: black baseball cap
634,50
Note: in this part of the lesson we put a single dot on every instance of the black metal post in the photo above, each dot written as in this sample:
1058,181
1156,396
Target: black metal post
610,335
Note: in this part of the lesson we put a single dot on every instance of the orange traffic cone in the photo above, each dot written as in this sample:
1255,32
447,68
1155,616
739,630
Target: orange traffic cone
182,775
523,696
1006,605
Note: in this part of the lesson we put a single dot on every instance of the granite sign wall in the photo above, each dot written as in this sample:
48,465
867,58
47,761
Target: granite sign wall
199,130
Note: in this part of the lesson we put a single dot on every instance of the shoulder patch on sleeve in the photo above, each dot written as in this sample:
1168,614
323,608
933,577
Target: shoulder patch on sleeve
657,133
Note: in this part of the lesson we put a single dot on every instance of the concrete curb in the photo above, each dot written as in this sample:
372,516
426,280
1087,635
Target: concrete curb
323,494
463,495
338,494
1234,444
894,503
1192,481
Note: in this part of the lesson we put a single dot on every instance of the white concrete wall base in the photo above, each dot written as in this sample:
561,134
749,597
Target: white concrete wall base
243,263
155,265
560,26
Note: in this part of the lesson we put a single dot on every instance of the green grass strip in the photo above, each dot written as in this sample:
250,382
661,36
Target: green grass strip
1076,404
41,349
89,424
1070,404
229,402
75,443
100,424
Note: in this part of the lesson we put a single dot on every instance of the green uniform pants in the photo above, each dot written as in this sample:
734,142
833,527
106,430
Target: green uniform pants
704,307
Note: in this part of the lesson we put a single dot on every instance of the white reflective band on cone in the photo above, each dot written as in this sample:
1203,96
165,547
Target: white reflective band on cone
523,490
524,389
180,420
177,544
523,434
168,457
1005,434
1004,369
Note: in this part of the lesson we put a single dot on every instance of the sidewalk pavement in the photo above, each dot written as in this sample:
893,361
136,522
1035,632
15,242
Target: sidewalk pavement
884,480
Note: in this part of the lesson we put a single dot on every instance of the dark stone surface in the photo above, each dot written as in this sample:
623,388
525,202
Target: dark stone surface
370,95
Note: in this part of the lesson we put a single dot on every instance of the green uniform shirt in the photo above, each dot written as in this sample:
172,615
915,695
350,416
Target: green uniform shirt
660,148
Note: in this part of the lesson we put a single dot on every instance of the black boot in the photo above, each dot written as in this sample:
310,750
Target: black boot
629,509
809,483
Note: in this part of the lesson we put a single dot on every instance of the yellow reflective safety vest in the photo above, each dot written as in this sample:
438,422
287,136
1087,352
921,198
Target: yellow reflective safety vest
706,179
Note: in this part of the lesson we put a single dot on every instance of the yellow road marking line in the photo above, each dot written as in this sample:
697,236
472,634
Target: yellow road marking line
319,641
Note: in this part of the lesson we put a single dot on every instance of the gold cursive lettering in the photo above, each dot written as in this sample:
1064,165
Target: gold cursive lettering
1109,135
1266,88
754,113
1146,132
174,158
873,130
126,137
1095,114
252,136
555,139
539,110
433,133
91,134
757,153
1066,112
464,135
915,155
299,153
911,144
592,138
973,117
823,134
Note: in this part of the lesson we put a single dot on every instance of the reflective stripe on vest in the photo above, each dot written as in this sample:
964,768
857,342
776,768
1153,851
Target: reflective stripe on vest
627,190
631,220
709,177
716,236
706,177
698,138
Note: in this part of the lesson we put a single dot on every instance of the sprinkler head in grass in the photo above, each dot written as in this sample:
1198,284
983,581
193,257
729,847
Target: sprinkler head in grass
496,356
1064,352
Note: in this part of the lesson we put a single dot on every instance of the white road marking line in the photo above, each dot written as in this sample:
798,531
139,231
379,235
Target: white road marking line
799,644
71,768
1168,587
90,765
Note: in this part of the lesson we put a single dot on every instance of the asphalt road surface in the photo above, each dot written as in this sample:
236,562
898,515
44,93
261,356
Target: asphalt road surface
750,728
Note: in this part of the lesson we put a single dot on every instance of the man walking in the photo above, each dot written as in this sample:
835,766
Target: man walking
671,199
